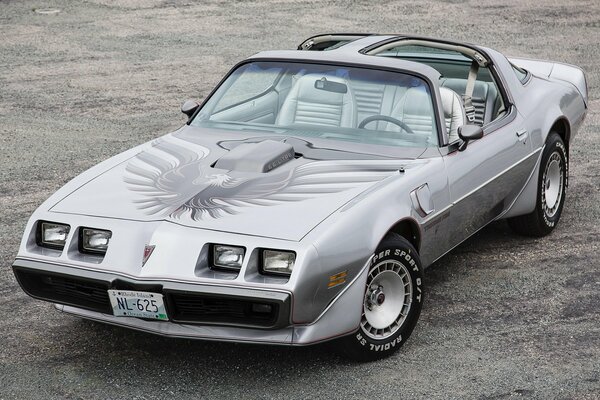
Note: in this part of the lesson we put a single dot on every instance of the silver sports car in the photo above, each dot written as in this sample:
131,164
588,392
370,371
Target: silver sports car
304,197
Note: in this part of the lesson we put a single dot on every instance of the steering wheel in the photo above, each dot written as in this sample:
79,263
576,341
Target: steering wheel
394,121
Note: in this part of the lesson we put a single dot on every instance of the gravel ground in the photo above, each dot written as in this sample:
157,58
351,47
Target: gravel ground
504,317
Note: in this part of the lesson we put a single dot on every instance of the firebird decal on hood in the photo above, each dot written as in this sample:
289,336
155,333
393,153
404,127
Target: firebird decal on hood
177,181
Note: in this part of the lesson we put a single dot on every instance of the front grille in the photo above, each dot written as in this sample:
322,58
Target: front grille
182,307
201,308
64,289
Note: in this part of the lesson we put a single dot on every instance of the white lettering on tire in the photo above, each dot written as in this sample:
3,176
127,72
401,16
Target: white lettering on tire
405,257
385,346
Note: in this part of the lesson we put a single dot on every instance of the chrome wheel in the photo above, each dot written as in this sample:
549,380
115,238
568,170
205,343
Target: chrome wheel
552,184
387,299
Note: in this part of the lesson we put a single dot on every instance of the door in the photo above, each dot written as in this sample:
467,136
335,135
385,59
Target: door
486,177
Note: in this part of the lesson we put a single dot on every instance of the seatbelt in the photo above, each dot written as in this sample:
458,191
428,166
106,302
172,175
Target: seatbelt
468,96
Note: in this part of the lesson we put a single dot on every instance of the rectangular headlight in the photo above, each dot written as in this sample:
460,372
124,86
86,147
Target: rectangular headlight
278,262
94,240
228,257
52,234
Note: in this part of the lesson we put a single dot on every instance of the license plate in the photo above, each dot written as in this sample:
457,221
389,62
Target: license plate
126,303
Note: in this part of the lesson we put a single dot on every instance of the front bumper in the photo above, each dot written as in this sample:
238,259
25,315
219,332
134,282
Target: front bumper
199,311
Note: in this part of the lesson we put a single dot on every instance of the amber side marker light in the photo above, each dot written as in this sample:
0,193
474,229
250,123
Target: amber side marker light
337,279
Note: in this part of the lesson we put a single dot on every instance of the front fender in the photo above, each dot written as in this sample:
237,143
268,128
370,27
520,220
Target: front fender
346,240
342,315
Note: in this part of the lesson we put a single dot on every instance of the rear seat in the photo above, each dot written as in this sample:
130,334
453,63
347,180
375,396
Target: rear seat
485,98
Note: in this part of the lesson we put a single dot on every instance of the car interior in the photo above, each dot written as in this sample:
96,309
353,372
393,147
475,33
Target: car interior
345,103
358,104
453,62
454,66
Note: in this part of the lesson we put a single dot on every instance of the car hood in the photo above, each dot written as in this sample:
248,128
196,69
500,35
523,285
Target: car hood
182,178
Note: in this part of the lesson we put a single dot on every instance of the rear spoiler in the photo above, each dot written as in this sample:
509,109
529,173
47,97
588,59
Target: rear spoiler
554,70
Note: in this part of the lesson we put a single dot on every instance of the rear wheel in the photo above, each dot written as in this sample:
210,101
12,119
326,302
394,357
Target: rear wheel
392,302
552,182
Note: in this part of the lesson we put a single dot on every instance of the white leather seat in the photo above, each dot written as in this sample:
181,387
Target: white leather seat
415,110
306,104
485,98
454,112
375,99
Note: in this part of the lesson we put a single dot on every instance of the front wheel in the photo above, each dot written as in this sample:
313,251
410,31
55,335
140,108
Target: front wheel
392,302
552,183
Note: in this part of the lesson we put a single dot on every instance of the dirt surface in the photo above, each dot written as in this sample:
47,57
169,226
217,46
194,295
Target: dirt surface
80,81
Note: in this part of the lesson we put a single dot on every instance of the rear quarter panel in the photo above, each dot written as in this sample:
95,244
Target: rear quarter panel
541,101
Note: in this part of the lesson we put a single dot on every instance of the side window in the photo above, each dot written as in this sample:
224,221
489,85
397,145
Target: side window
454,67
250,82
487,97
520,73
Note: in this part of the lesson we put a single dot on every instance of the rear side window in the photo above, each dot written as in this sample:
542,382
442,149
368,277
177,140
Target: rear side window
454,68
521,74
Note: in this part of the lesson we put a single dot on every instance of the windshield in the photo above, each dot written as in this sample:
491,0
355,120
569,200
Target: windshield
330,102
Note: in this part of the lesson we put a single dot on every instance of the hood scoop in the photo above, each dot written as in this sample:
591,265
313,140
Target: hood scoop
256,157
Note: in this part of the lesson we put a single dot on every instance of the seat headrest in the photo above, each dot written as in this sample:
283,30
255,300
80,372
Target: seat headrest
454,112
305,103
417,101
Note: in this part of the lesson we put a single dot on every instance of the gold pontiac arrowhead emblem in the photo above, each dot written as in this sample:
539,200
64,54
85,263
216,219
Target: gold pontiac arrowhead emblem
148,249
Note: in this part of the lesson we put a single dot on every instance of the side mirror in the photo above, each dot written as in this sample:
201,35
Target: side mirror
189,107
467,133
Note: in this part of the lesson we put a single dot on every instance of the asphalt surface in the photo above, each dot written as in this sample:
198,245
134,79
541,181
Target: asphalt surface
504,317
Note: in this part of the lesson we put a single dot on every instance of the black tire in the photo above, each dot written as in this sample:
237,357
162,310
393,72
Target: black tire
394,252
543,220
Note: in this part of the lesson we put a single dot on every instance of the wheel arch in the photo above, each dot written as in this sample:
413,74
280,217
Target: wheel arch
562,127
526,201
409,229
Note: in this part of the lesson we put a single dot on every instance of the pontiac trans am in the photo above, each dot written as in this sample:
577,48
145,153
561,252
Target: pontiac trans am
305,195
